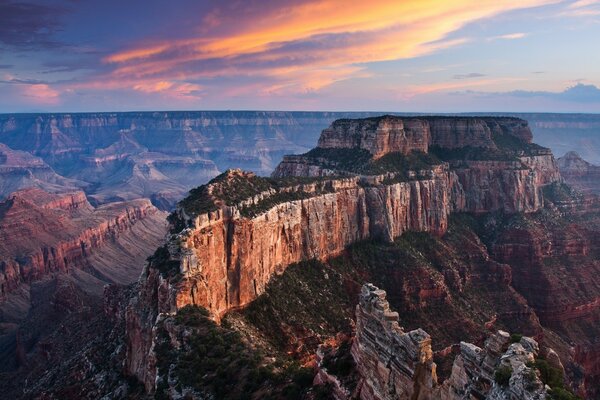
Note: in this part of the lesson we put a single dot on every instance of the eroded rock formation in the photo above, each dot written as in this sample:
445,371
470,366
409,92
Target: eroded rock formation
42,233
232,236
394,364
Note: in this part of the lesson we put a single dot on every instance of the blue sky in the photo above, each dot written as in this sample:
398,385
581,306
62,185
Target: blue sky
413,56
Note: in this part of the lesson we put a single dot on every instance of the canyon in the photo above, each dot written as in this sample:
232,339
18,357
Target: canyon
464,222
232,236
161,155
55,245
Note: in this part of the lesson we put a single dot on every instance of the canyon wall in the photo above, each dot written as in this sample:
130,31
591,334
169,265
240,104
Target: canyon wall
227,259
42,233
579,173
161,155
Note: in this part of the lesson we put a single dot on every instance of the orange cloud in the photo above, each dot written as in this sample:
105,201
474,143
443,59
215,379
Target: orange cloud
302,45
41,93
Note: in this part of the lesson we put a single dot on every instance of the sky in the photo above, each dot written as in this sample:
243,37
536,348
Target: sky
377,55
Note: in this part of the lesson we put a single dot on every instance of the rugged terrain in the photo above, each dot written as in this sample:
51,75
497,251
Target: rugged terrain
260,290
56,254
370,179
161,155
579,173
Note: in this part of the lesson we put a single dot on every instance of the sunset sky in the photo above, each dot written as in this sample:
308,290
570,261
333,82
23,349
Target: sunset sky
413,56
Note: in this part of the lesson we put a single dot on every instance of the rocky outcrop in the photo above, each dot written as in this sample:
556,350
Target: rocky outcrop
234,234
379,136
387,134
579,173
227,259
41,233
394,364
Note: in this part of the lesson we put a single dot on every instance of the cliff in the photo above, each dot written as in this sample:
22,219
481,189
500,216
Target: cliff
42,233
394,364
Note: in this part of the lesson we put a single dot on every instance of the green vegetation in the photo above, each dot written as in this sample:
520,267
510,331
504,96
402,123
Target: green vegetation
472,154
253,210
340,362
360,161
502,375
309,297
215,361
562,394
198,201
560,192
231,188
554,378
161,260
515,337
177,224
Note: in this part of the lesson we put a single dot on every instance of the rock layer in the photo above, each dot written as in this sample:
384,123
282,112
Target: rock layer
41,233
398,365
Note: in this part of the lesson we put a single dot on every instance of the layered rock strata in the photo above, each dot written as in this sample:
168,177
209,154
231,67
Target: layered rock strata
394,364
41,233
234,234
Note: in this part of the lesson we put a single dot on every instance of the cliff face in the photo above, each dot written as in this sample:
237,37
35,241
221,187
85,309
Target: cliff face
394,364
379,136
227,259
382,135
227,256
42,233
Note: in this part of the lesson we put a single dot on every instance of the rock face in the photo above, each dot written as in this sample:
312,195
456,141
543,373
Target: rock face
227,258
394,364
41,233
579,173
382,135
234,234
379,136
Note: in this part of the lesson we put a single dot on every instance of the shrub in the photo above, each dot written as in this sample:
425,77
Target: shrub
515,337
502,375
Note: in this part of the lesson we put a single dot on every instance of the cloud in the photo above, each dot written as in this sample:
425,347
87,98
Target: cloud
6,66
308,45
582,8
509,36
469,76
579,93
41,93
29,26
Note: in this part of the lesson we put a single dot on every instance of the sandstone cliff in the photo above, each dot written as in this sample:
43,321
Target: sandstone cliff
42,233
